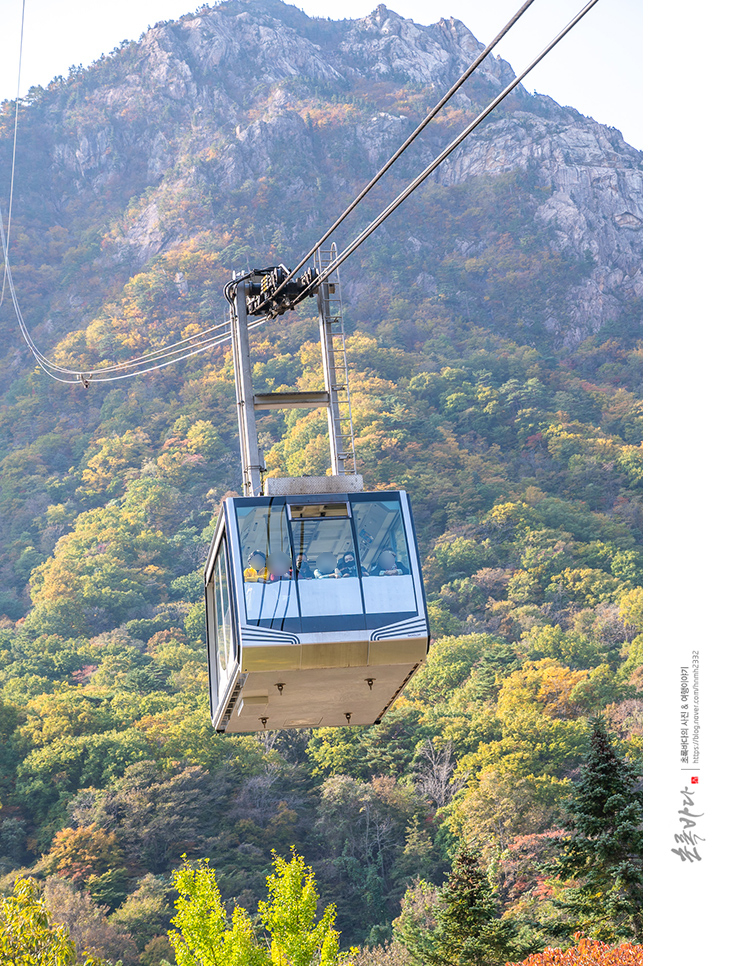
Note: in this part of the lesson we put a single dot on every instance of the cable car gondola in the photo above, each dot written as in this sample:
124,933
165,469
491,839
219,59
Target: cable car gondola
315,608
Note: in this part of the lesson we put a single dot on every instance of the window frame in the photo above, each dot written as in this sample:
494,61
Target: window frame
328,624
218,690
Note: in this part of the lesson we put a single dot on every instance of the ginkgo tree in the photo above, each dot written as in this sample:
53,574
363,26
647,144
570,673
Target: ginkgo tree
28,937
203,934
290,916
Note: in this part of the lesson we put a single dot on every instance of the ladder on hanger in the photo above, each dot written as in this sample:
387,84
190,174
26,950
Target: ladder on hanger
334,361
336,395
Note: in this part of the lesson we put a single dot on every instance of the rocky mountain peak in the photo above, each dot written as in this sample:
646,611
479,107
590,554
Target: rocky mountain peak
255,92
432,54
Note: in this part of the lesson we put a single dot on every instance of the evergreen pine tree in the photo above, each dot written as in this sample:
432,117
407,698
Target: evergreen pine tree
415,928
602,852
467,929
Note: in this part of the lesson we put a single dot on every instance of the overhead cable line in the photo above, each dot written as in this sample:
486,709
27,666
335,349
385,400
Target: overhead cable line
148,362
152,355
86,378
6,245
406,144
386,212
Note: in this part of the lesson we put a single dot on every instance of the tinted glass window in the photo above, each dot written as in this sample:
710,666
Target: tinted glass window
384,555
265,547
325,566
326,563
269,592
223,629
381,538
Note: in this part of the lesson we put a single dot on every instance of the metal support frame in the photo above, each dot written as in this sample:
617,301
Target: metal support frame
248,437
335,398
334,363
290,400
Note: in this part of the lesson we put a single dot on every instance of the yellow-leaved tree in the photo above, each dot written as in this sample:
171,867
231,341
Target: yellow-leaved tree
28,937
203,934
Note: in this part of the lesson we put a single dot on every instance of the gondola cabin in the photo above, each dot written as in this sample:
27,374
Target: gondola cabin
315,609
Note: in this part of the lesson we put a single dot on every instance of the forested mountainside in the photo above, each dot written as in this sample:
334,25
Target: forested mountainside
494,335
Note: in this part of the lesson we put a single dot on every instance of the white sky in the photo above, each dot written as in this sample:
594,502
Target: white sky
596,69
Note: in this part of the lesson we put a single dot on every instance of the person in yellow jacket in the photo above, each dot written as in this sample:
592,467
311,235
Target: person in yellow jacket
256,569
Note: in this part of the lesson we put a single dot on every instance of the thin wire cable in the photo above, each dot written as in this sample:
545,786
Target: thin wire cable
406,144
156,359
85,376
130,366
154,355
151,356
138,365
386,212
129,375
148,356
6,246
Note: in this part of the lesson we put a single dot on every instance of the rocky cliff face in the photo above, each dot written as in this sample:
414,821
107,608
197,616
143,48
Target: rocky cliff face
254,111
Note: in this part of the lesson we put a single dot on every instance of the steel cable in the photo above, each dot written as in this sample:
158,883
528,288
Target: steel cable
6,246
147,362
406,144
386,212
86,380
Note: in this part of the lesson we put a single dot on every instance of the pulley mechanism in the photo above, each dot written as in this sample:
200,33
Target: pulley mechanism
259,285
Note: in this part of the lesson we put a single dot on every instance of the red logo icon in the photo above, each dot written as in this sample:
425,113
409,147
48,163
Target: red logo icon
694,779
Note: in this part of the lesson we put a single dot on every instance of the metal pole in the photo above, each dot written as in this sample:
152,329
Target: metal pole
248,437
334,421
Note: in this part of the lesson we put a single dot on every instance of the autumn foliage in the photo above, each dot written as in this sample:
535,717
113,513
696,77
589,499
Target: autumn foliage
587,952
516,434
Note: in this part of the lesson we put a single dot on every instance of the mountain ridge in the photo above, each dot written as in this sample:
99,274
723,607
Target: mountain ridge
240,86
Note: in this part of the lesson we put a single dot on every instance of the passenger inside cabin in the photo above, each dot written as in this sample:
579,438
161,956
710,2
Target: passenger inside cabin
326,566
304,571
279,566
256,569
347,564
388,565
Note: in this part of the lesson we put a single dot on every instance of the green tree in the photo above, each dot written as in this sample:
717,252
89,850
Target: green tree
203,935
601,859
290,916
146,913
28,937
455,557
468,930
414,929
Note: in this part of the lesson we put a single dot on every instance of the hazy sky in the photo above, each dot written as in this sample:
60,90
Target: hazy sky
597,69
